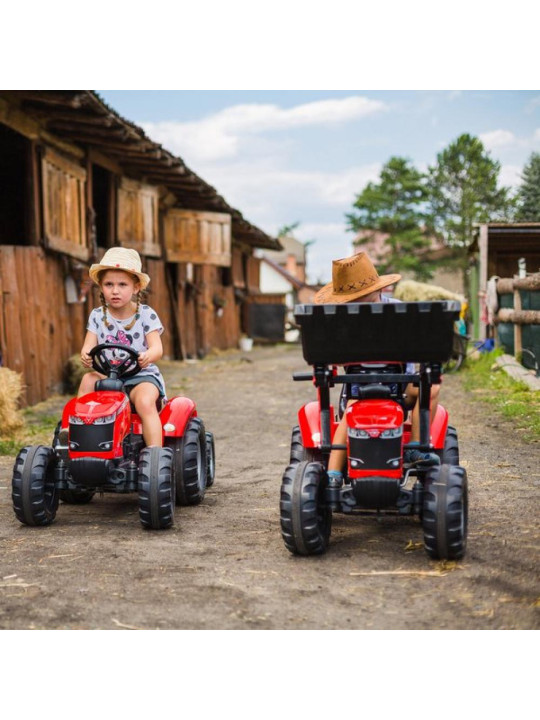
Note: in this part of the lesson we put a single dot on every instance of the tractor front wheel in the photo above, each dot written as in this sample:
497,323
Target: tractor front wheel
33,492
306,520
156,488
445,512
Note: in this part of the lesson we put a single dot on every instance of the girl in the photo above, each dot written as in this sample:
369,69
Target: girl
121,320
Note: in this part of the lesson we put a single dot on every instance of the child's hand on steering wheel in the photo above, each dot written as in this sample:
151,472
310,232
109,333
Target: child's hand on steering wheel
86,360
144,359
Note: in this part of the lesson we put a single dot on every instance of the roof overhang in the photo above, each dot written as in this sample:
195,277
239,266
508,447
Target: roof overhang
83,118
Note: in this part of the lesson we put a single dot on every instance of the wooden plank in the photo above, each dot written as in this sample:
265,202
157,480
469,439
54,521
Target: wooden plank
203,238
13,349
64,203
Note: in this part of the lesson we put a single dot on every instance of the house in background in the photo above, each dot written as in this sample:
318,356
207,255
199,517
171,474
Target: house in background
77,178
283,285
292,258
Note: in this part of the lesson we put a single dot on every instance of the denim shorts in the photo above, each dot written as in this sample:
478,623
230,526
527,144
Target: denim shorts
130,383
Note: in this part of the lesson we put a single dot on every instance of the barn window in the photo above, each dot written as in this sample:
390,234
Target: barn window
203,238
64,205
137,224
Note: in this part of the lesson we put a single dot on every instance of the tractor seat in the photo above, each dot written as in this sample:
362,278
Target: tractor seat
108,384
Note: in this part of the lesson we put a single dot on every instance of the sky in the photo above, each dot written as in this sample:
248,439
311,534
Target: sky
302,156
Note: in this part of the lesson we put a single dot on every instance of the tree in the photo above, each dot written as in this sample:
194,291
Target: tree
464,190
287,230
397,207
528,197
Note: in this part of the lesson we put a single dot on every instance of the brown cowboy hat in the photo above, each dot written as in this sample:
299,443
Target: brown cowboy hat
352,278
120,258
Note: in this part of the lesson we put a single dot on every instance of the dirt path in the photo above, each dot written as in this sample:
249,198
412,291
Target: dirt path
224,565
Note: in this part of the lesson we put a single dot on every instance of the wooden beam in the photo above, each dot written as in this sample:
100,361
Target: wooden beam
90,131
47,97
60,115
521,317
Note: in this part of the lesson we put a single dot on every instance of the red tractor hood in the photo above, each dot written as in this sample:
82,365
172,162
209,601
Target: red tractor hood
96,405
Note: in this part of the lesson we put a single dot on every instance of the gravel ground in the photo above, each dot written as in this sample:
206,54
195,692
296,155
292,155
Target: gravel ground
224,565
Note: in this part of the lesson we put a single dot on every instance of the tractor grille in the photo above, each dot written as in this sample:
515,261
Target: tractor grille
375,453
91,438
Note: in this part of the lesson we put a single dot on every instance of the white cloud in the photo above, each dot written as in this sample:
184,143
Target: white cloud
536,136
498,138
219,136
510,175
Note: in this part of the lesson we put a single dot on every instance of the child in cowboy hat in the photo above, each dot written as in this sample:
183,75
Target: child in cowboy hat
122,320
354,279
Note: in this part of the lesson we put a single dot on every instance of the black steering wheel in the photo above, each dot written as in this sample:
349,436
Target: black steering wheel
124,366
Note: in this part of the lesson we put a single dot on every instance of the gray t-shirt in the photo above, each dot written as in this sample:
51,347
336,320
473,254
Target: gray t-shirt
115,332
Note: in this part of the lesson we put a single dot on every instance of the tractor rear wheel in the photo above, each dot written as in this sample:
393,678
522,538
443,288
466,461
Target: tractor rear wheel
450,453
299,452
210,459
189,463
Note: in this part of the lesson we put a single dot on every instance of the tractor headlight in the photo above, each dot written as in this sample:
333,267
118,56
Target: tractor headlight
105,420
74,420
393,432
357,433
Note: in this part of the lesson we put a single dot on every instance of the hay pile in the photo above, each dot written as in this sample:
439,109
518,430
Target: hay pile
11,387
74,373
412,291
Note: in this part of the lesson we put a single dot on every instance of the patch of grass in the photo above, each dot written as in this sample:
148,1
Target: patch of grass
512,399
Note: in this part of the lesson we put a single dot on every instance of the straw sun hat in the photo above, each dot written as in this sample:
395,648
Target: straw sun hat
352,278
119,258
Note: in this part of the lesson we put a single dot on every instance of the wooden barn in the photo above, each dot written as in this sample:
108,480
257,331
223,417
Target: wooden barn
75,179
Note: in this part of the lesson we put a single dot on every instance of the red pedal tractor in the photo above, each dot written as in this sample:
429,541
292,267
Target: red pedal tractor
98,447
376,339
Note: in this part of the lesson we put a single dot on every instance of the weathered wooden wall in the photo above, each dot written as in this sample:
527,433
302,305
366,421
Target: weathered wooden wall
38,329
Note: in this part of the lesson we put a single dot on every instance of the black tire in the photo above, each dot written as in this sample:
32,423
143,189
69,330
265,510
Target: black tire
210,459
76,497
34,495
189,463
298,452
445,512
450,453
156,488
306,521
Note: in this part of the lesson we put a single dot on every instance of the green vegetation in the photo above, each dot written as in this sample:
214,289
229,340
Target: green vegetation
38,429
513,400
529,191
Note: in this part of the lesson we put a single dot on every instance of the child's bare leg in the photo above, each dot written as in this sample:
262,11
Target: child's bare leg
337,458
336,461
412,394
144,397
88,383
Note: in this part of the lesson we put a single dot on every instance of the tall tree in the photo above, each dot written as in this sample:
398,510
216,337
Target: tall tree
528,196
396,206
464,190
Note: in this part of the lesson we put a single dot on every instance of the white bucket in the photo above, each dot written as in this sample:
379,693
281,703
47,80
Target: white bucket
246,344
